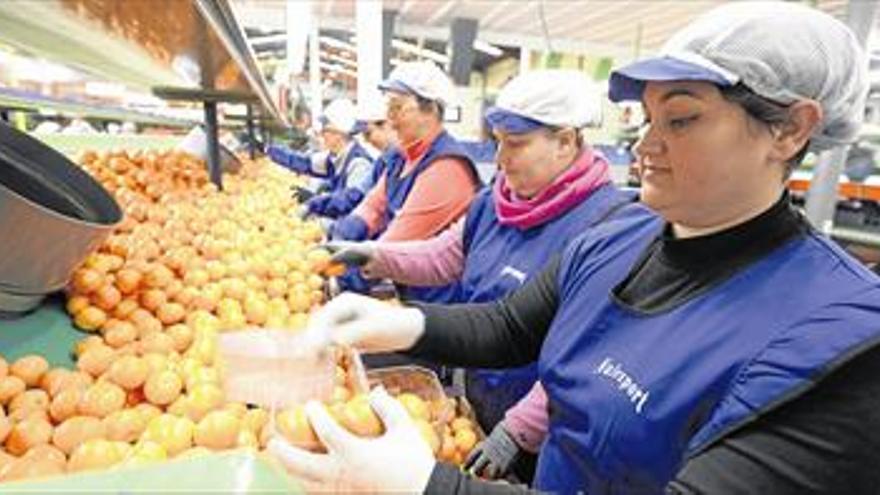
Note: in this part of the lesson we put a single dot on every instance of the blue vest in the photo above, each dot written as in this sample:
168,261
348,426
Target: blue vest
338,175
499,259
632,395
398,188
380,165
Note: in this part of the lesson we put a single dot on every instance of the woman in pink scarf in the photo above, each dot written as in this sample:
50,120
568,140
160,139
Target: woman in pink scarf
550,187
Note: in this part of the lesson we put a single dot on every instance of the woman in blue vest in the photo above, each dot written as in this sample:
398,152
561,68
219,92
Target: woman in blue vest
429,180
347,168
721,345
550,187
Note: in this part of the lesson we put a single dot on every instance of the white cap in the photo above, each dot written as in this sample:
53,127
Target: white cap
339,116
782,51
553,97
372,108
422,78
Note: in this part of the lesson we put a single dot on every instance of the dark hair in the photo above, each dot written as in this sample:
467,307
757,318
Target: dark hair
430,106
765,111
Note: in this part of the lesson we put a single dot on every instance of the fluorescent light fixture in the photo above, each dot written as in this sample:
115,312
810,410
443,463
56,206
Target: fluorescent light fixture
336,43
488,49
338,68
421,52
342,60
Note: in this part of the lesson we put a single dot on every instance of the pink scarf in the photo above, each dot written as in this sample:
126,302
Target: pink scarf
588,172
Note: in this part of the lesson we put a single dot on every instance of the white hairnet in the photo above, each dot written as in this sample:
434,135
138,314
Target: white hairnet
782,51
422,78
557,97
340,116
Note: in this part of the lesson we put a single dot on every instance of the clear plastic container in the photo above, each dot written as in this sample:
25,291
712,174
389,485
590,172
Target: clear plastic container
277,368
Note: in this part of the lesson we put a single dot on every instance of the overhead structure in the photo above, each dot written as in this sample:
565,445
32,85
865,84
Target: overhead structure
190,49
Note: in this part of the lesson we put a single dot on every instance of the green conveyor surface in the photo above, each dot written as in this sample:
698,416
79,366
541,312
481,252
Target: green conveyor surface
47,331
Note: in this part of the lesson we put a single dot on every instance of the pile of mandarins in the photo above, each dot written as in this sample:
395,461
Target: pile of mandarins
188,261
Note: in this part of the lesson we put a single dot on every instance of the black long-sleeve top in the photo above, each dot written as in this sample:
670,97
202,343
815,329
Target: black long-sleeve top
825,441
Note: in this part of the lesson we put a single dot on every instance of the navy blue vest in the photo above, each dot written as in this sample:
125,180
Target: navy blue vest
632,396
500,259
338,176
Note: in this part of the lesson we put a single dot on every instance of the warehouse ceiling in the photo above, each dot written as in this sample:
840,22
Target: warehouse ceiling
600,27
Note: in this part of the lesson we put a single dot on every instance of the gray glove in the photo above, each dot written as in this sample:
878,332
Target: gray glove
351,253
495,456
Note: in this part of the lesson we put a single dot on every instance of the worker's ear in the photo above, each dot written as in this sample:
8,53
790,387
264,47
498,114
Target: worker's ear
568,142
791,136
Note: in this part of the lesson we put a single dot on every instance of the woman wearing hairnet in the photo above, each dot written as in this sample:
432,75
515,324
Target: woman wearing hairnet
429,181
550,188
720,346
347,168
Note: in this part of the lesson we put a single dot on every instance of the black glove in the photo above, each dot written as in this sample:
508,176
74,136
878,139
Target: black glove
495,456
350,253
301,194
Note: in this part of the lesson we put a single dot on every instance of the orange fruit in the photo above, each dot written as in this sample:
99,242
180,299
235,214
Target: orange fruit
152,299
128,280
126,425
75,304
96,360
415,406
217,430
90,318
95,454
10,387
87,280
203,398
173,433
118,333
182,336
359,418
31,468
65,404
54,379
28,402
125,308
157,342
197,277
107,297
171,313
75,431
254,420
163,388
129,372
27,434
87,343
146,324
158,276
256,311
465,439
101,399
30,369
294,426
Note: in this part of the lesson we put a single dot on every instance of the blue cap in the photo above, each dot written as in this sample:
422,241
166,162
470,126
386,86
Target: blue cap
628,83
395,85
359,127
514,123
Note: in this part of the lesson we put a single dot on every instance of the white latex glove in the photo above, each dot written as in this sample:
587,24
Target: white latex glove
397,462
367,324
